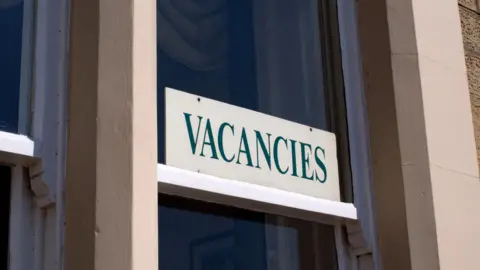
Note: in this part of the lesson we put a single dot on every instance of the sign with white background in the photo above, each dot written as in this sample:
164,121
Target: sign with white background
216,138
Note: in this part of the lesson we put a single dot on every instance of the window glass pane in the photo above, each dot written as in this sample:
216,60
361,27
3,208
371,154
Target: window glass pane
11,53
261,55
11,21
195,235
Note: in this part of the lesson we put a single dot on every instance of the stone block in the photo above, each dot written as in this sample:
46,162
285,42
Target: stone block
473,68
473,71
448,116
456,198
470,28
471,4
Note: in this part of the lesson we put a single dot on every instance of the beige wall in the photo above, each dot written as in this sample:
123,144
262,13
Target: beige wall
111,181
425,166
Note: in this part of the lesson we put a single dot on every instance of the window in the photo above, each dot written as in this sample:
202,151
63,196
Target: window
281,58
196,235
34,40
15,53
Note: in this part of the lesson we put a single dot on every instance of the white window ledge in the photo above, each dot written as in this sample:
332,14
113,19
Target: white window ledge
15,148
194,185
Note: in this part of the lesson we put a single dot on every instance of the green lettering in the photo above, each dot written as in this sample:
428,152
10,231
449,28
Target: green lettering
306,159
266,152
294,158
193,141
275,154
211,142
320,164
245,150
220,141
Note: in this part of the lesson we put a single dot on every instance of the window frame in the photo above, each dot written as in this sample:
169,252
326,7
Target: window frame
37,159
343,77
17,149
362,235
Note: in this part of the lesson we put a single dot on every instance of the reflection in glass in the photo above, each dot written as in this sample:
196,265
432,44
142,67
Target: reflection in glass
11,30
195,235
261,55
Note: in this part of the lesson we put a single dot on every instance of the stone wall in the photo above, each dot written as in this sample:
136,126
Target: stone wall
470,17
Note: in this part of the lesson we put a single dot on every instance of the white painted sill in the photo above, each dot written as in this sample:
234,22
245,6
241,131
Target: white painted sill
15,148
194,185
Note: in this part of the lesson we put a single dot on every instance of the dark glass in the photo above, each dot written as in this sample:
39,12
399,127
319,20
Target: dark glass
5,182
195,235
260,55
11,25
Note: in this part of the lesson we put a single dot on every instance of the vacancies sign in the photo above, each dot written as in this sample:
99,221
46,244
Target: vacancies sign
227,141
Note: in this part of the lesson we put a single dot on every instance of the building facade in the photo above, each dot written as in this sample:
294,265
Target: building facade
155,134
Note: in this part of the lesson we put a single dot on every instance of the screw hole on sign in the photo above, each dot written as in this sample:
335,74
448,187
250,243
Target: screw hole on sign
311,129
198,99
